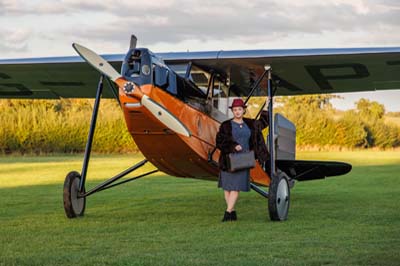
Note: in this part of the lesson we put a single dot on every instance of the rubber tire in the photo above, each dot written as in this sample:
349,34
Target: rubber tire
276,213
73,206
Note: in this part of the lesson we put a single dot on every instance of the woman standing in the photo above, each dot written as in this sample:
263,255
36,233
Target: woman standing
239,134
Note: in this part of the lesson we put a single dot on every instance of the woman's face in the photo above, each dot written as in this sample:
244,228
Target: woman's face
238,112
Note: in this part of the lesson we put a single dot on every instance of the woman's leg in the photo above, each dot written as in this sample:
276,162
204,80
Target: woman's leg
226,194
233,196
226,214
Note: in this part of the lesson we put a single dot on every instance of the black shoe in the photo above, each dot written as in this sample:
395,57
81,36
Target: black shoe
227,217
233,216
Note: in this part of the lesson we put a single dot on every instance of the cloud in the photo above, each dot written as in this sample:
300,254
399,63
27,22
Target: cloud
258,23
44,7
14,40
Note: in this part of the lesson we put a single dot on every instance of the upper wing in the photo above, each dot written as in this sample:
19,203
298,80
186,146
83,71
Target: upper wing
299,71
51,78
305,71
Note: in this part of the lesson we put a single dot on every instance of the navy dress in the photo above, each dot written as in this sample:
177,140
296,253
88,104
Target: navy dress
240,180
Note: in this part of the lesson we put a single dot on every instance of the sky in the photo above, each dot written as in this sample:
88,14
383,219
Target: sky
39,28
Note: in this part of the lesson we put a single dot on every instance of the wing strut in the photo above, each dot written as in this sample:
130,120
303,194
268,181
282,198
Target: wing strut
255,86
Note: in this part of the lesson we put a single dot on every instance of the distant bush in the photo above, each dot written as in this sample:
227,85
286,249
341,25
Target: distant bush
383,135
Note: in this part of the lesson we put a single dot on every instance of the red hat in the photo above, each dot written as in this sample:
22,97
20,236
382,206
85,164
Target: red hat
238,102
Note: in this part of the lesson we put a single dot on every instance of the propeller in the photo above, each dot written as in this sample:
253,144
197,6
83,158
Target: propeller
160,112
97,62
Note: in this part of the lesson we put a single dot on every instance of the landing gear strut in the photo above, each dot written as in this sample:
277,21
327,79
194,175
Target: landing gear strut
279,191
74,194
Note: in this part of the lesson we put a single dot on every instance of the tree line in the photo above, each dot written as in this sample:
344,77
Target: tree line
319,125
61,126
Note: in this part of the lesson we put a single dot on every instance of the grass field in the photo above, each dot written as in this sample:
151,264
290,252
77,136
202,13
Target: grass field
393,120
161,220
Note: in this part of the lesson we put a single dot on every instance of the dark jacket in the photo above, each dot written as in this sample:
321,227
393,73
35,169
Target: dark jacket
226,144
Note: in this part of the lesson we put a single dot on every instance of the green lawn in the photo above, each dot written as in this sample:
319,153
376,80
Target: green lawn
161,220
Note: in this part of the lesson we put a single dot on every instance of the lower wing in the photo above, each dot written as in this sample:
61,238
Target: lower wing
310,170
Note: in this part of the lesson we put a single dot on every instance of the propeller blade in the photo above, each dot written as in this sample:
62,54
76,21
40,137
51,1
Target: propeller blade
164,116
97,61
133,43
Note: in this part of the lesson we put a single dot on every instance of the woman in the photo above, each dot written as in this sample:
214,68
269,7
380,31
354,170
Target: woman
239,134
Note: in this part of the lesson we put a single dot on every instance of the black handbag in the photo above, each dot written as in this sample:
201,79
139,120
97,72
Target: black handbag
241,160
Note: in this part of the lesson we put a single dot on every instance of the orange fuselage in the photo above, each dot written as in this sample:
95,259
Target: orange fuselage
172,153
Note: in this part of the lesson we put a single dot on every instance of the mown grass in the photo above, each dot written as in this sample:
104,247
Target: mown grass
162,220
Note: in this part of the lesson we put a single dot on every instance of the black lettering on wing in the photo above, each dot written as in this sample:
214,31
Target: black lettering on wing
285,84
62,83
4,76
393,63
13,89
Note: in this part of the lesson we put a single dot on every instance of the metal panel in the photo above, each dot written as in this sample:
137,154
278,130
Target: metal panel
285,132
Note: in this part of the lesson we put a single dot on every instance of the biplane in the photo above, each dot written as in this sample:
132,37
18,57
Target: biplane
174,103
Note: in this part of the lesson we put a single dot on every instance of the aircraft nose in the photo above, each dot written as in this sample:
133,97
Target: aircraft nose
129,87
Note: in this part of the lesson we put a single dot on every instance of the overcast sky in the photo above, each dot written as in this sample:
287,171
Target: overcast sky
39,28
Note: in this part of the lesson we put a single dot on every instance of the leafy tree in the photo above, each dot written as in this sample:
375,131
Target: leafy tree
379,134
313,117
370,110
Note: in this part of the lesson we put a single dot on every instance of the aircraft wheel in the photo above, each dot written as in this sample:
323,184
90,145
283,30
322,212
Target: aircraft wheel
279,198
73,206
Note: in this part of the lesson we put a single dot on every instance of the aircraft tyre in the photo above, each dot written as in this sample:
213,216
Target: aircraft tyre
73,206
279,197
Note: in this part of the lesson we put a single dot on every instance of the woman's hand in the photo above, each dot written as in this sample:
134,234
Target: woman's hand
267,101
238,148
